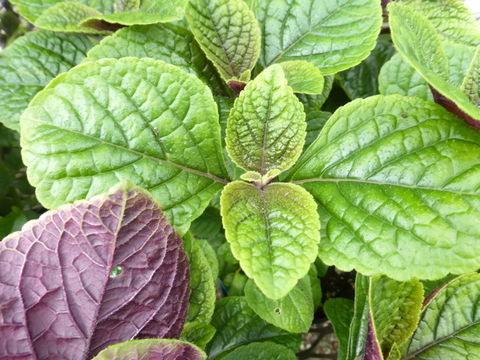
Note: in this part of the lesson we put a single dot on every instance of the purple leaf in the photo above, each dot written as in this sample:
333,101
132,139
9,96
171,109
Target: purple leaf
152,349
89,275
372,347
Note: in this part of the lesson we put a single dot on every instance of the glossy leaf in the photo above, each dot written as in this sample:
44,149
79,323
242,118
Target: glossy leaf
198,333
237,324
159,129
167,42
401,196
315,102
274,238
315,122
420,44
471,83
303,77
28,64
394,309
293,312
453,315
261,351
152,349
229,35
59,295
359,325
340,313
266,127
373,350
333,35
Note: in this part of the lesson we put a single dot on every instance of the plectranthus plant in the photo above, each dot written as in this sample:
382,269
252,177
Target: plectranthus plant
220,179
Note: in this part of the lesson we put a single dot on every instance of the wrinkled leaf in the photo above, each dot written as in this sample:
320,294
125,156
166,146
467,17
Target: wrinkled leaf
471,83
28,64
340,312
333,35
274,238
159,129
59,295
152,349
228,33
303,77
402,197
266,127
261,351
198,333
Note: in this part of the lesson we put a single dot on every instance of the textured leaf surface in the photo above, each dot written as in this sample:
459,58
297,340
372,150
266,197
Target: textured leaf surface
471,83
395,310
159,128
237,324
261,351
198,333
315,102
152,349
449,327
359,325
58,296
397,180
331,34
293,312
266,127
420,44
303,77
28,64
167,42
202,282
274,238
340,312
228,33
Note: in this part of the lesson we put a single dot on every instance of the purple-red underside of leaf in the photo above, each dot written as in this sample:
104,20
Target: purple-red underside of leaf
57,299
372,348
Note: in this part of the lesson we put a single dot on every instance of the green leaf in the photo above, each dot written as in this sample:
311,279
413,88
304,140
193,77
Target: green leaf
261,351
28,64
315,122
229,35
159,129
237,324
362,80
449,327
274,238
340,312
198,333
395,310
397,76
333,35
359,325
303,77
152,349
13,221
202,283
293,312
420,44
451,18
167,42
315,102
397,180
471,83
266,127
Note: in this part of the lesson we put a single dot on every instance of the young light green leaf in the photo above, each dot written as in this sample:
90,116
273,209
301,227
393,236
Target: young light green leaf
303,77
359,325
152,349
333,35
237,324
471,83
28,64
202,283
395,310
315,102
293,312
229,35
340,312
266,127
264,350
453,315
402,196
167,42
198,333
451,18
274,238
420,44
159,129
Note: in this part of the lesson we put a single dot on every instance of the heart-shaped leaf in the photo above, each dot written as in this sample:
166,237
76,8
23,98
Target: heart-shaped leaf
152,349
159,128
89,275
28,64
397,180
274,238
